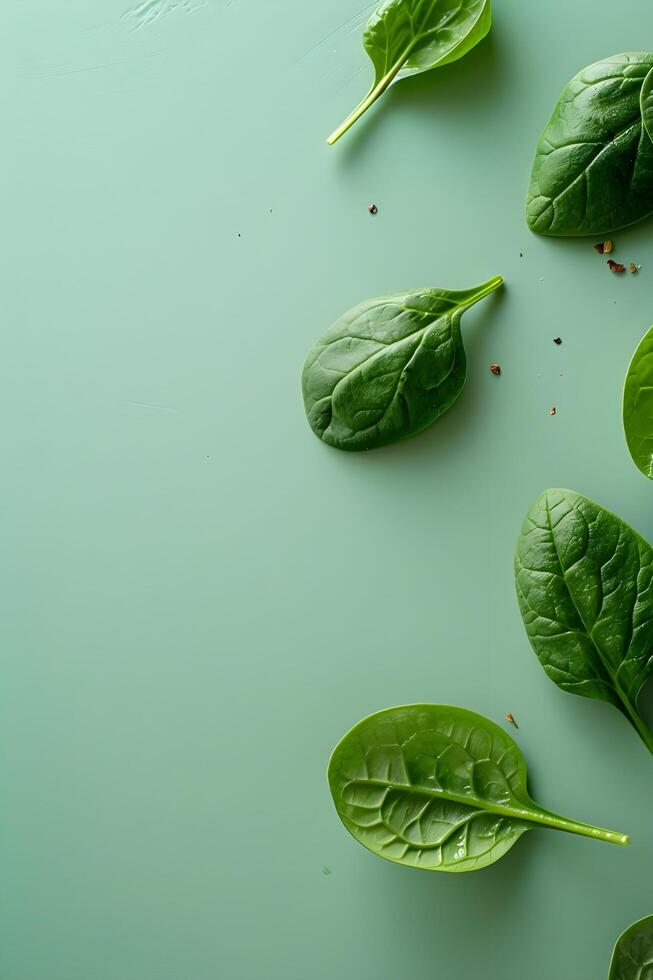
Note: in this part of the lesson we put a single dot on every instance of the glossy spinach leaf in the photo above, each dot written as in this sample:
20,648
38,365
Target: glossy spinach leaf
405,37
593,169
389,367
584,584
438,788
633,954
638,406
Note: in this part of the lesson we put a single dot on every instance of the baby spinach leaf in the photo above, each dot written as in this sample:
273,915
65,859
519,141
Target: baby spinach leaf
585,588
438,788
389,367
633,954
638,406
405,37
593,169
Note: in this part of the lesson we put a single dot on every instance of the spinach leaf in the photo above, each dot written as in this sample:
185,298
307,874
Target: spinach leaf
584,584
389,367
405,37
633,954
593,169
638,406
438,788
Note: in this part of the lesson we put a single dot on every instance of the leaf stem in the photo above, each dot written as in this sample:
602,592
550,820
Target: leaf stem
369,99
516,810
482,291
639,725
548,819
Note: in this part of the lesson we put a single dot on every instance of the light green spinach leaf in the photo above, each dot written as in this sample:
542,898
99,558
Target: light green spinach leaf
585,589
593,169
438,788
389,367
638,406
633,954
405,37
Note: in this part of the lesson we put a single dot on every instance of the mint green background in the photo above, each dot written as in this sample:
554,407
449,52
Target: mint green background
199,597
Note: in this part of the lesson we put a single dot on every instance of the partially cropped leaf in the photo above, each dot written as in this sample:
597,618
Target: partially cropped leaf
438,788
404,37
584,584
593,169
633,954
638,406
389,367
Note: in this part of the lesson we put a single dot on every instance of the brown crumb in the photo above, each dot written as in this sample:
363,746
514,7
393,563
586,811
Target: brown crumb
616,266
553,410
372,208
633,267
557,340
604,248
495,368
511,718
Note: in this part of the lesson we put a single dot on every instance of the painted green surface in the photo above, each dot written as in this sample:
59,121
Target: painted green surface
199,596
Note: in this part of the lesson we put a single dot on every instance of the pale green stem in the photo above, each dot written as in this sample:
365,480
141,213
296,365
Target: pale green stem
369,99
515,810
485,290
547,819
640,726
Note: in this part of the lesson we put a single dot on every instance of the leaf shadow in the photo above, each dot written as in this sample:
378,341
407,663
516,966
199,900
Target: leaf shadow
488,901
635,238
441,92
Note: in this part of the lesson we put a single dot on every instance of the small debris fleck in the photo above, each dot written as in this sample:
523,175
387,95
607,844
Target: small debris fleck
617,267
634,267
326,871
495,368
604,248
372,208
553,410
557,340
521,255
511,718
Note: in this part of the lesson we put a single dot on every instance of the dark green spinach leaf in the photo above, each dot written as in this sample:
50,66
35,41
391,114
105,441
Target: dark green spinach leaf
584,584
438,788
593,169
638,406
633,953
389,367
405,37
